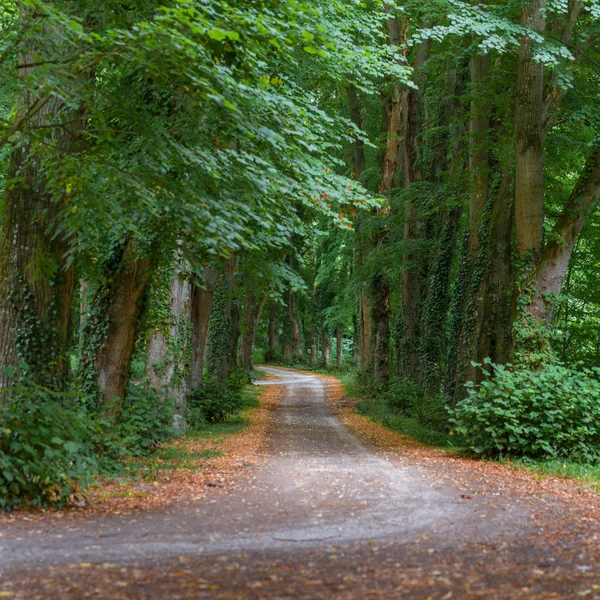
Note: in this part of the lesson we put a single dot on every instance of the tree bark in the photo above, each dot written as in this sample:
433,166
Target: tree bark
412,271
339,336
126,285
381,317
202,301
250,317
169,345
389,168
362,245
223,329
365,330
479,149
358,146
295,328
325,348
529,163
36,285
273,351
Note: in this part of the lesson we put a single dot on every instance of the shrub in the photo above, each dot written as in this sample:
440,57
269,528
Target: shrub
45,455
213,401
401,394
550,412
146,420
406,397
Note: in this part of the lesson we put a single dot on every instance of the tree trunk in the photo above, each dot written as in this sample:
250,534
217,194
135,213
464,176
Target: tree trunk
355,341
529,178
223,330
295,329
487,325
556,255
36,286
381,316
314,351
339,336
479,149
116,310
381,288
250,317
84,306
169,344
365,330
202,301
273,351
412,271
434,315
362,245
325,348
358,146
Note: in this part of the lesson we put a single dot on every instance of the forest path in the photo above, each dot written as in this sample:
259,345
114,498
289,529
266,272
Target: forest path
323,516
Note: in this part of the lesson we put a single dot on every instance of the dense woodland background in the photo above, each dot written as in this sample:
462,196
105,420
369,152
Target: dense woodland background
405,190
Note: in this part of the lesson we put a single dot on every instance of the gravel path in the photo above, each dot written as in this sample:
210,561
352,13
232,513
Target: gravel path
323,516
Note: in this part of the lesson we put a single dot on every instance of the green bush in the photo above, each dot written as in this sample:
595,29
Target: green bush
213,401
550,412
45,454
406,397
146,420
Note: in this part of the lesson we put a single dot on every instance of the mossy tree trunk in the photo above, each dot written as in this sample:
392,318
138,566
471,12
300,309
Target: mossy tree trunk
36,283
202,301
273,333
253,307
168,348
339,336
529,164
412,267
224,325
111,329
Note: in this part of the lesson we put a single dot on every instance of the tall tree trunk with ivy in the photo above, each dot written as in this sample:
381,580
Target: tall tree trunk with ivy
363,244
412,267
339,337
381,287
223,325
273,332
203,292
434,315
296,342
529,165
472,266
110,331
36,282
325,347
169,320
251,312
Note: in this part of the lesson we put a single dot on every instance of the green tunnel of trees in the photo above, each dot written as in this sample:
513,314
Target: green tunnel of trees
186,186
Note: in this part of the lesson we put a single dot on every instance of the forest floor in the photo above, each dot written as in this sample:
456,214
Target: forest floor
336,507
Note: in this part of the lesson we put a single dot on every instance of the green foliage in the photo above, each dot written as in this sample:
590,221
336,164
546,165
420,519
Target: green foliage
46,448
146,421
406,397
550,412
214,401
404,422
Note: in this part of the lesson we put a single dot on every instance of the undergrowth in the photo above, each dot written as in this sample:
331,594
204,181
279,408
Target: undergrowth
52,447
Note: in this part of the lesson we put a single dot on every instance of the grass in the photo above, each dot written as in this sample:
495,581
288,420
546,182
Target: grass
406,423
179,455
586,473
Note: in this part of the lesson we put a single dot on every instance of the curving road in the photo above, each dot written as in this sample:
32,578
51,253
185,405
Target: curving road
323,516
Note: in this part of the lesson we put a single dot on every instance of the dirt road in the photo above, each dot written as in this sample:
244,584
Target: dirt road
325,515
